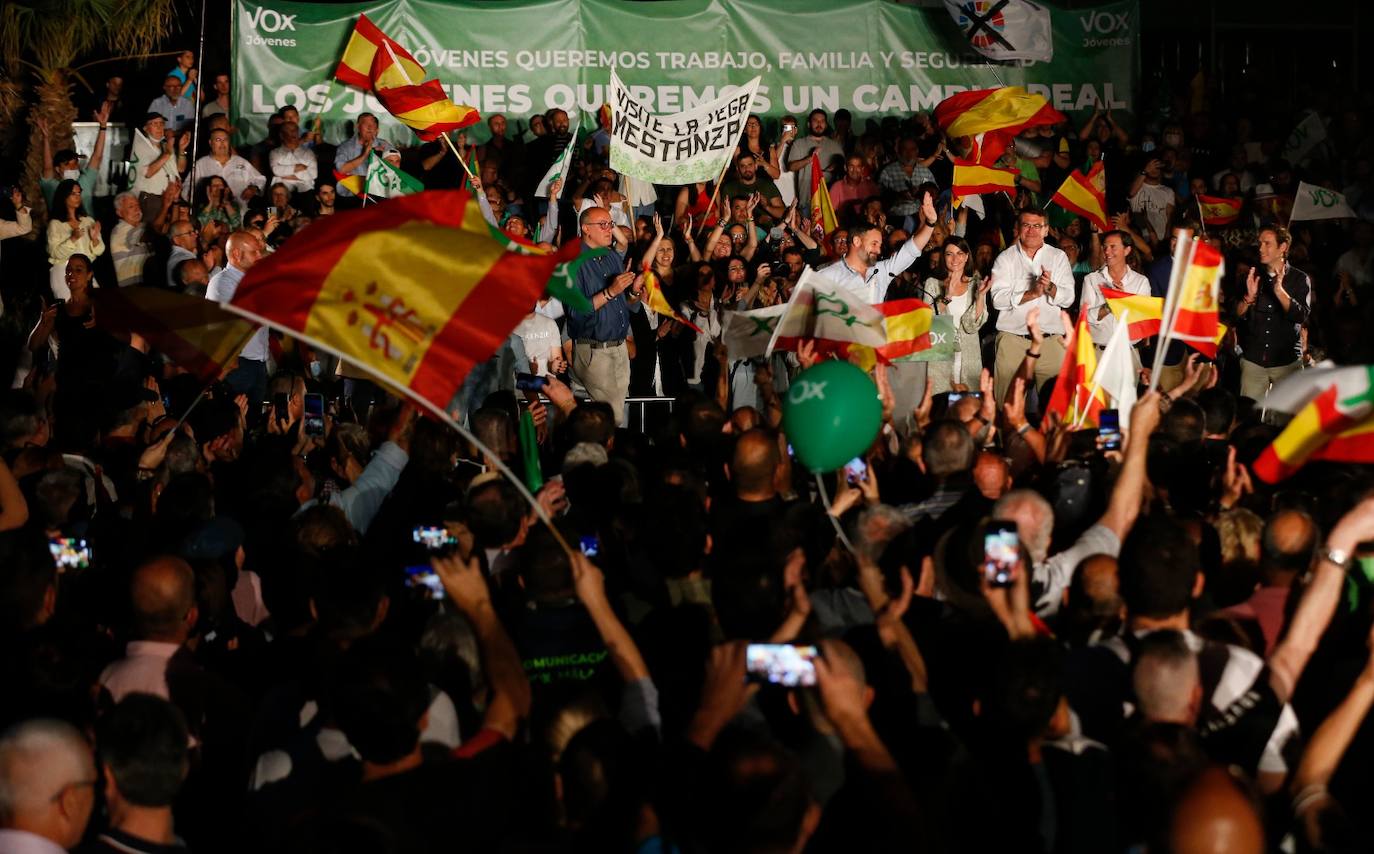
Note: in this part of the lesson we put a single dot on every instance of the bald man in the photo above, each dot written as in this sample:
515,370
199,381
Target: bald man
242,251
163,594
1288,544
1215,817
991,475
756,504
1166,679
47,786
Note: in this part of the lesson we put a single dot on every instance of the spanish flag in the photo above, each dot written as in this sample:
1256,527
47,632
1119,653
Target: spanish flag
1070,399
413,290
1086,195
822,211
355,68
1333,420
657,301
1146,314
907,322
1216,210
423,105
971,179
194,333
1197,315
993,117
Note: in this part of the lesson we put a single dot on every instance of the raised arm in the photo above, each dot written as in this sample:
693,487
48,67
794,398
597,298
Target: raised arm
510,689
1319,600
1124,505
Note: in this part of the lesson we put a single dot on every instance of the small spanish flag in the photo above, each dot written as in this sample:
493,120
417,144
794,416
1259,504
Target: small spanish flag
413,290
355,67
1197,314
1070,398
1086,195
907,322
822,211
971,179
657,301
1146,314
423,105
1216,210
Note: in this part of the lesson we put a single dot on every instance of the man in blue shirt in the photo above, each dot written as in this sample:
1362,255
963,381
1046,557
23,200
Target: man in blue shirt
600,359
351,156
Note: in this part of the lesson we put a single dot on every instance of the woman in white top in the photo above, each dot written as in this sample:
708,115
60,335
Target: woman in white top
702,312
70,232
962,294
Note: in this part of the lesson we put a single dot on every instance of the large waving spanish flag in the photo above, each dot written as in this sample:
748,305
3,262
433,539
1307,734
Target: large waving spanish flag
993,117
1334,408
972,179
1086,195
355,67
1071,399
413,289
420,104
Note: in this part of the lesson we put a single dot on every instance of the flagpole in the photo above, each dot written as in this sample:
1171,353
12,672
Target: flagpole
1201,218
1182,253
386,43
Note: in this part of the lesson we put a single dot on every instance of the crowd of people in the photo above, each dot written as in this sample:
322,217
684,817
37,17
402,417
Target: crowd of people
231,622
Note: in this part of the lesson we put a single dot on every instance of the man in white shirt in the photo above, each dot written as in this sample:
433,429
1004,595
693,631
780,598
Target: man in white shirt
48,776
293,162
185,247
163,595
1149,196
861,272
250,377
1029,275
127,247
238,173
1117,275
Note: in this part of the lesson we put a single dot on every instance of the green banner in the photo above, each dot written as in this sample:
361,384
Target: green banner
944,340
522,57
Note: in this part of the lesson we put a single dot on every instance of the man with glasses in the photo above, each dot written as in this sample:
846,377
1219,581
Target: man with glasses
600,359
47,787
1030,275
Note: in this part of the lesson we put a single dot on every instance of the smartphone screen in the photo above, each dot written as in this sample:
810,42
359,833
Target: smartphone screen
314,415
433,537
1000,553
529,382
781,664
591,546
70,553
423,576
856,470
1109,430
279,408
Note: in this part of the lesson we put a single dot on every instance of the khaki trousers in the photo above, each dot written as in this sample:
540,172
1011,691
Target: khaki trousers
1256,380
1011,352
605,373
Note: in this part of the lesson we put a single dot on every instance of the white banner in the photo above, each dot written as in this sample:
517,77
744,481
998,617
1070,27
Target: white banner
682,148
1315,202
1011,29
746,333
1309,133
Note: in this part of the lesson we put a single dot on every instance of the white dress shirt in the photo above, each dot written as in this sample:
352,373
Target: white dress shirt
238,173
1012,275
284,161
23,842
873,286
221,289
1131,282
143,670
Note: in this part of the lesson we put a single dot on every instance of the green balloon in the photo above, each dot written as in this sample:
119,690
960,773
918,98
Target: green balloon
831,415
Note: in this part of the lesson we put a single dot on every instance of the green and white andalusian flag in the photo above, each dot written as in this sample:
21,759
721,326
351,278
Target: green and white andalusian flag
385,181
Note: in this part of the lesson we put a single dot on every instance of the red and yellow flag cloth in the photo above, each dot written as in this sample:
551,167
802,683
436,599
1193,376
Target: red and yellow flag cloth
1217,210
1334,420
906,323
1146,314
420,104
1070,399
971,179
399,83
1197,315
414,290
993,117
656,301
1086,195
822,211
195,333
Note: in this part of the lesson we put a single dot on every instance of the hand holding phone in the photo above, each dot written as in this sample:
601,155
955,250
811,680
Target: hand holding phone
1001,553
70,554
314,415
856,471
435,538
424,577
1109,430
530,382
781,664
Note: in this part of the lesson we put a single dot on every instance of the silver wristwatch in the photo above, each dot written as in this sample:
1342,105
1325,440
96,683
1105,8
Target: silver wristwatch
1340,557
